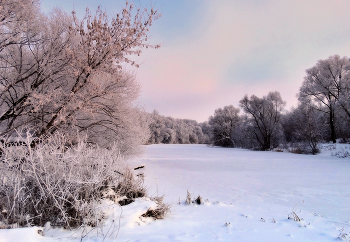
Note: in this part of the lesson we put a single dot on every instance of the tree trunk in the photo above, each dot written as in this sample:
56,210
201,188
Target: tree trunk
267,142
331,122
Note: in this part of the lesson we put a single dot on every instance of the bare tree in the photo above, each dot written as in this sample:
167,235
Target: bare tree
16,18
307,126
265,117
327,86
31,70
68,74
222,125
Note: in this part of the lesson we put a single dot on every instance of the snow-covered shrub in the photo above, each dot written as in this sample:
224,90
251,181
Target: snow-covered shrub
60,183
199,200
341,153
328,147
188,200
160,211
303,148
343,237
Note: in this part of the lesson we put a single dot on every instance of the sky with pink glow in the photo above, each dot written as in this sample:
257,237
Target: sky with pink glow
215,52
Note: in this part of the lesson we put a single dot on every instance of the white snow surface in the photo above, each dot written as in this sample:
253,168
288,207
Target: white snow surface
249,196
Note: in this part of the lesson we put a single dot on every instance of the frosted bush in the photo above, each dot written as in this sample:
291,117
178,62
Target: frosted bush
341,153
304,148
59,183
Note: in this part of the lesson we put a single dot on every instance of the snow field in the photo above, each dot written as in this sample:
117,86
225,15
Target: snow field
250,195
246,187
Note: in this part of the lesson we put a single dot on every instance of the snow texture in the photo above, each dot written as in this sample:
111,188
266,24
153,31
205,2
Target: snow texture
249,196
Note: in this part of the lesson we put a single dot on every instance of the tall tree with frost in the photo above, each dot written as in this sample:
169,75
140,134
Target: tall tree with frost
16,18
265,117
307,126
67,74
327,85
222,125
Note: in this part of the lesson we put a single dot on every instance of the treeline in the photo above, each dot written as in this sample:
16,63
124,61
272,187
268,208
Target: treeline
263,123
168,130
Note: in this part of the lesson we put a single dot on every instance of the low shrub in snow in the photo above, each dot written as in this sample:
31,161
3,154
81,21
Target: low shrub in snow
59,183
294,215
160,211
188,200
303,148
328,147
343,237
341,153
199,200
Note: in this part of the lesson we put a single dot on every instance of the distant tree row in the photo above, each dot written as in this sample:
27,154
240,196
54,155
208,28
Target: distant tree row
322,114
167,130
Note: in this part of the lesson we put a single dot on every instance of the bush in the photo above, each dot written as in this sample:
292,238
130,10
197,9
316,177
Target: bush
59,183
303,148
160,211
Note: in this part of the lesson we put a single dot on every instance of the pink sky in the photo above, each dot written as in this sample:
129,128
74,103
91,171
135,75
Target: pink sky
215,52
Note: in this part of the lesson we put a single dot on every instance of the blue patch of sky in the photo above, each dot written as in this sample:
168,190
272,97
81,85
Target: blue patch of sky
179,17
262,63
251,72
79,6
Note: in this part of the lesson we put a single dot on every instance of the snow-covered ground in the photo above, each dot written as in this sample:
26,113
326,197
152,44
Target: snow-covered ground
250,195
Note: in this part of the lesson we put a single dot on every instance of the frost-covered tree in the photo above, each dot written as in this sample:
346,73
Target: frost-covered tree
308,127
342,126
206,138
67,74
156,127
265,117
16,18
169,130
222,125
327,85
242,135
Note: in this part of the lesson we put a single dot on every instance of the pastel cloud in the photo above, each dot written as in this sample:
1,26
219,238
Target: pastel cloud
214,52
245,47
